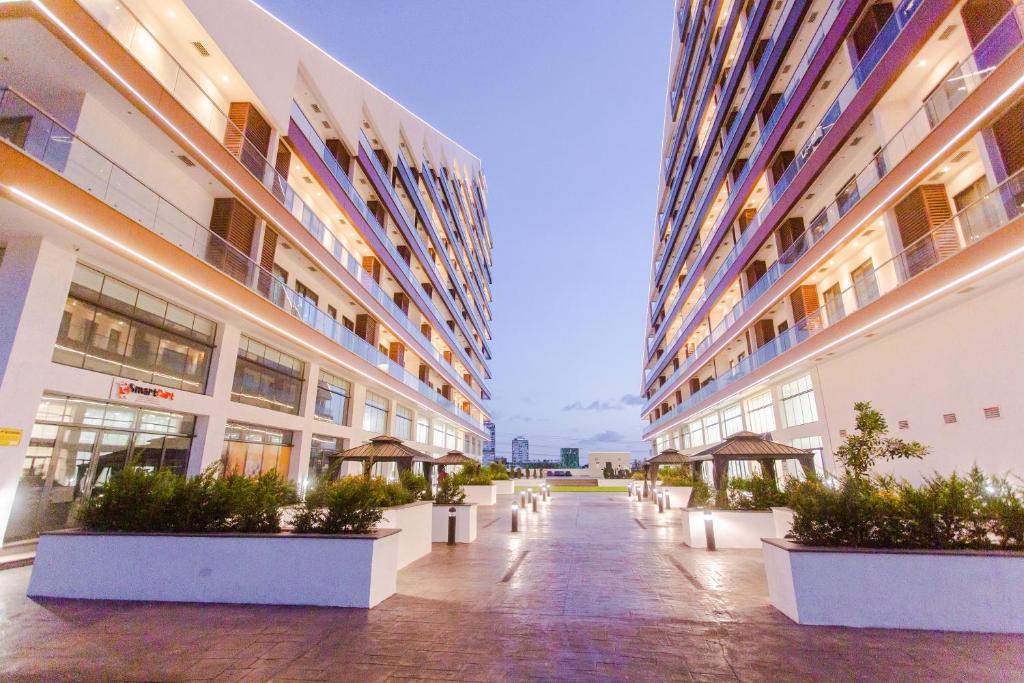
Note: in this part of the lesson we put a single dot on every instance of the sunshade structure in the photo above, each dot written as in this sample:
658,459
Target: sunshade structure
747,446
669,456
384,449
449,458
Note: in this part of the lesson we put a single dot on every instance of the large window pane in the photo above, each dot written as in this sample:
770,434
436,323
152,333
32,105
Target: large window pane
375,413
267,378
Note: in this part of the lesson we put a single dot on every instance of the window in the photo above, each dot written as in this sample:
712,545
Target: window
696,433
375,414
403,423
332,396
451,439
253,450
306,293
834,308
760,414
114,328
439,434
810,443
732,419
865,286
712,430
323,455
422,430
267,378
798,405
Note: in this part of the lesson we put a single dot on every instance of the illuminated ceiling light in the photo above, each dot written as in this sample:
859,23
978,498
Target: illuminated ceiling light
922,63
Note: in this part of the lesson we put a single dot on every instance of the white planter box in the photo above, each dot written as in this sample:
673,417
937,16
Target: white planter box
733,528
678,496
783,518
504,487
415,525
465,523
482,495
616,483
266,569
951,590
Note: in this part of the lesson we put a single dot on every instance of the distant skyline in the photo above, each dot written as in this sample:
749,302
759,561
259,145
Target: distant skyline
563,102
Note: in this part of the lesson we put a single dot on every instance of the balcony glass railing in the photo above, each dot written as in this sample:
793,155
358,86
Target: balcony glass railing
320,148
879,47
208,110
961,81
62,151
990,213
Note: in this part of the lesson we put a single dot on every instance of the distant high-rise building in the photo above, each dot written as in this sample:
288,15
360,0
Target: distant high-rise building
570,458
489,443
833,219
520,450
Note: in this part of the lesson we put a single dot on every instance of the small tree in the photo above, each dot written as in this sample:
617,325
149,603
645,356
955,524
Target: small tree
871,443
608,473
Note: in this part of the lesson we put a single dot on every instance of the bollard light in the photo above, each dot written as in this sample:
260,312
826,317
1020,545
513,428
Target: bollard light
668,501
522,499
535,503
515,517
661,502
451,526
709,529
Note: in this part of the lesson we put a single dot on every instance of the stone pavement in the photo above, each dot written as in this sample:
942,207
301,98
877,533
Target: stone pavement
595,587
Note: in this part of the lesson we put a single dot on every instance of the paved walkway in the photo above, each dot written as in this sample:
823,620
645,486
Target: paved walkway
593,588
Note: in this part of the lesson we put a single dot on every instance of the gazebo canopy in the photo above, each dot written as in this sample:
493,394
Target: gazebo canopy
453,458
750,446
385,449
669,456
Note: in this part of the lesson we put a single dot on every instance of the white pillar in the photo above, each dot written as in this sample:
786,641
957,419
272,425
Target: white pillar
35,277
208,446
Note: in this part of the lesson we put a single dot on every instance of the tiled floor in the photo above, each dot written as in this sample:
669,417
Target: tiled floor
592,588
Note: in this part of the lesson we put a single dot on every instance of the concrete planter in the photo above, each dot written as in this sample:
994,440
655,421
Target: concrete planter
945,590
733,528
414,523
482,495
504,487
357,570
783,518
678,496
465,523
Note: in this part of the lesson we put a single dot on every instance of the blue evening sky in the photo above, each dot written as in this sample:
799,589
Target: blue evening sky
563,103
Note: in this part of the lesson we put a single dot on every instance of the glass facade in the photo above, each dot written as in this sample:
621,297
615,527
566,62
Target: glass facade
375,413
760,414
403,423
267,378
252,450
332,399
798,405
422,430
77,444
111,327
323,455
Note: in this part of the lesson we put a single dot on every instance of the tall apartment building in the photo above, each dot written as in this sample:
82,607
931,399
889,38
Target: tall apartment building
220,244
488,448
839,220
520,451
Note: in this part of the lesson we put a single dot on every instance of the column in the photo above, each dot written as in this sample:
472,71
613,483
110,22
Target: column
35,277
208,447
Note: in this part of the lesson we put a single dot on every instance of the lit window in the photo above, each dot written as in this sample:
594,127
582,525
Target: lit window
696,433
798,402
712,430
732,419
760,416
403,422
375,415
811,443
423,430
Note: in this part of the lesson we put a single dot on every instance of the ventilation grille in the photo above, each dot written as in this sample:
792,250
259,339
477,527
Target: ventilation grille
904,424
949,418
185,160
842,433
992,413
824,85
315,107
812,17
325,123
960,156
855,141
947,32
307,179
785,69
799,125
200,48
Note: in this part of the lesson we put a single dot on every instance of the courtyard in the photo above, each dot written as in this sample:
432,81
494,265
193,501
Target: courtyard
593,587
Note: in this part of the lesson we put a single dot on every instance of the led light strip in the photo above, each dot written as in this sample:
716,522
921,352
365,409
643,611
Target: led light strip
205,292
1008,256
871,215
199,152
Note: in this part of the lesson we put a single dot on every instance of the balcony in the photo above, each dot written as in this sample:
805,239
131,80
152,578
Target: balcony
63,152
956,86
996,210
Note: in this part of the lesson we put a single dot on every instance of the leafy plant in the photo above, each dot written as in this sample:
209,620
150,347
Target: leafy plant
870,442
416,484
450,492
639,476
473,474
609,471
498,471
755,493
349,505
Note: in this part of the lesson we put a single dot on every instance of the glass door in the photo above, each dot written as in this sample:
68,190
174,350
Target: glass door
69,469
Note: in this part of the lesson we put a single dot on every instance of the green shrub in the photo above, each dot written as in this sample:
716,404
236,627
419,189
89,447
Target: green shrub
473,474
349,505
755,493
450,491
136,499
394,493
498,471
416,484
701,494
638,476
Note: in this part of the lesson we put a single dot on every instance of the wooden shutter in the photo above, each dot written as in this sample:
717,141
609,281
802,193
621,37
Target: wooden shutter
267,252
396,352
789,232
447,354
769,105
779,165
377,209
694,385
235,224
372,266
804,301
429,289
402,301
1008,131
446,391
248,136
424,373
764,332
917,215
338,150
426,331
981,16
867,28
755,271
405,253
366,327
746,218
737,168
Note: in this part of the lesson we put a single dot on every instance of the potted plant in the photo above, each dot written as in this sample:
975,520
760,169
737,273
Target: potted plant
451,495
476,481
217,537
868,550
504,486
741,514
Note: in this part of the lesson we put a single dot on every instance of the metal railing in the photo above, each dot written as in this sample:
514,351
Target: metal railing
61,150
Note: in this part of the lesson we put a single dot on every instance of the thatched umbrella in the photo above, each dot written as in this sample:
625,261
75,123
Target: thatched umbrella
669,456
745,446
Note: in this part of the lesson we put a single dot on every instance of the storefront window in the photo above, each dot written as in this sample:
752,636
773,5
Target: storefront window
111,327
323,456
252,450
267,378
332,395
